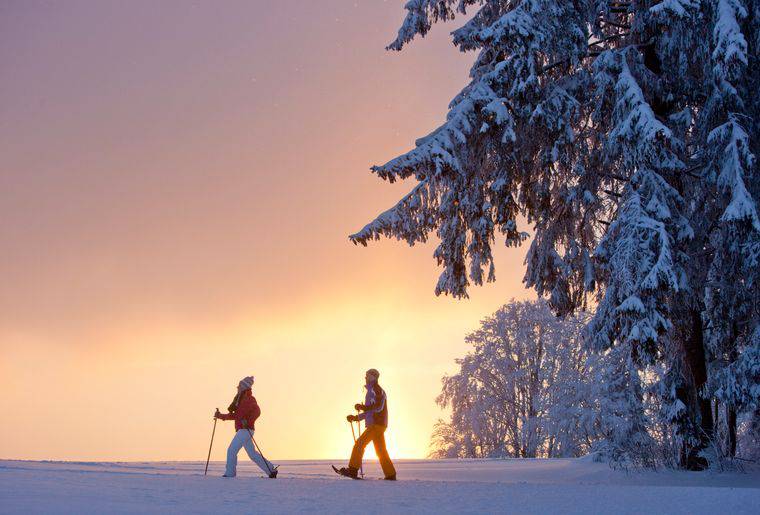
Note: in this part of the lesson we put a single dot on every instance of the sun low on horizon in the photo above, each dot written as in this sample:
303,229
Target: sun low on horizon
178,182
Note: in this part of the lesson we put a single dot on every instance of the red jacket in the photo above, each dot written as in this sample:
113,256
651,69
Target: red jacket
246,414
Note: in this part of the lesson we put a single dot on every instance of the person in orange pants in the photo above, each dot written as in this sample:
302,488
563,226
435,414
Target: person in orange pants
375,415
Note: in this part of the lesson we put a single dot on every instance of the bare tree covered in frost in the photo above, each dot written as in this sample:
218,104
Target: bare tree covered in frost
522,391
625,132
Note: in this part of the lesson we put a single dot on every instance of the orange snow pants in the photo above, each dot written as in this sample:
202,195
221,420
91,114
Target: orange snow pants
376,435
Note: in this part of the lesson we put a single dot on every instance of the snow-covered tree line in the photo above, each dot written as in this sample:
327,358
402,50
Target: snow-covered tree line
530,388
625,133
523,390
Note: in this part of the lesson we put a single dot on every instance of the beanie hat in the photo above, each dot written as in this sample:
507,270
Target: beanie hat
246,383
373,372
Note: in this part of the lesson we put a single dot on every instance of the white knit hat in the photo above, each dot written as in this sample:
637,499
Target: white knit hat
246,383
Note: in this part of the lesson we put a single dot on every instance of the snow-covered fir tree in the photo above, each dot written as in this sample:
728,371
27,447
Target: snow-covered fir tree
625,133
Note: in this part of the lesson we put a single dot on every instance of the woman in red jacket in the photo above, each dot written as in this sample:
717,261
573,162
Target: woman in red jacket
244,410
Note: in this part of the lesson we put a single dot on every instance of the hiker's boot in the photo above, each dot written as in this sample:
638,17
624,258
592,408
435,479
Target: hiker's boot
350,472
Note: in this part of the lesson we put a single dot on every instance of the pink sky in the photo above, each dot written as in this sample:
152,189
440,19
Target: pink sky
177,183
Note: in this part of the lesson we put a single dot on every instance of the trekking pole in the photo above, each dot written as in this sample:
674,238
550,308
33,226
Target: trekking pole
266,461
359,428
358,423
209,445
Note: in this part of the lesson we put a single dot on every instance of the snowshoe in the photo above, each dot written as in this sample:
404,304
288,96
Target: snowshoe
346,472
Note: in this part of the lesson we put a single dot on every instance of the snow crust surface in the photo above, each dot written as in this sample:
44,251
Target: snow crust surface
424,486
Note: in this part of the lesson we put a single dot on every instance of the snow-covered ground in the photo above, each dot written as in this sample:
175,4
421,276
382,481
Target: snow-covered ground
505,486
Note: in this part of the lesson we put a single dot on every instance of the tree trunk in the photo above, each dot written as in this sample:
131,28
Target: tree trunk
730,409
716,413
731,422
700,412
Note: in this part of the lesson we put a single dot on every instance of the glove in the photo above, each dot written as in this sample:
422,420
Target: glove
217,414
359,407
352,418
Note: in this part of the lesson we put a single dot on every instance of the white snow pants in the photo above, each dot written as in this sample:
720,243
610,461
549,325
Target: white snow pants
243,439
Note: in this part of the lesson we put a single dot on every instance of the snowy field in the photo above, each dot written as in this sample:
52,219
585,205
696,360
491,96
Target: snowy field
486,486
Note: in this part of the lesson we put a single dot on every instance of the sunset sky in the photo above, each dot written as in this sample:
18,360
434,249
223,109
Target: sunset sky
177,183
